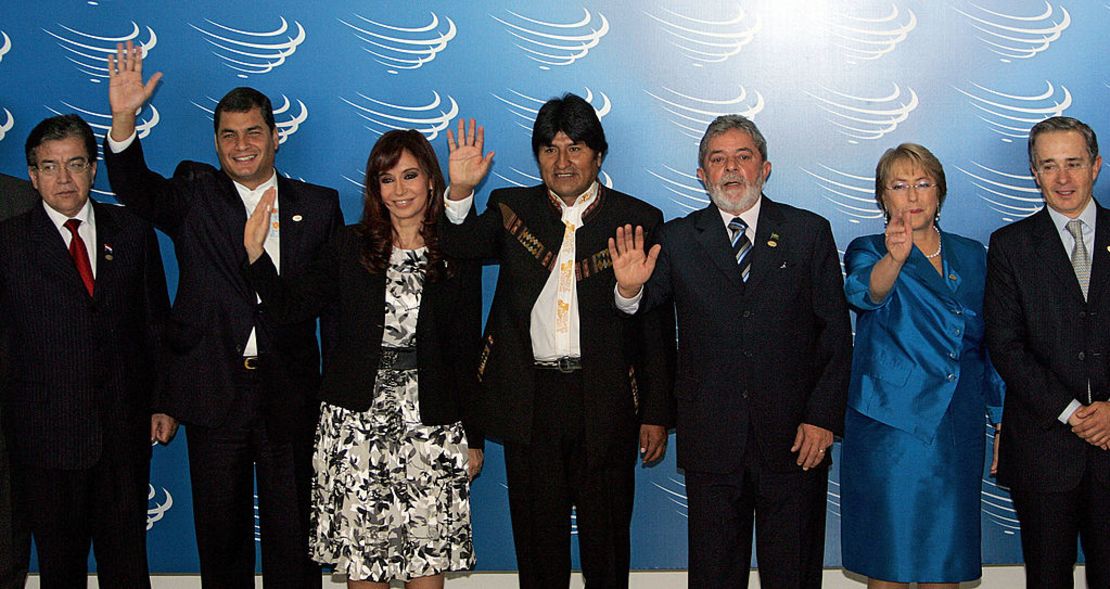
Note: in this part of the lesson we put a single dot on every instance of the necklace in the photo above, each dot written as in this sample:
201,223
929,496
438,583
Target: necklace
936,253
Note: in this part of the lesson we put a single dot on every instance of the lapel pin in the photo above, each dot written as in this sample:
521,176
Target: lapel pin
951,276
297,218
108,252
773,242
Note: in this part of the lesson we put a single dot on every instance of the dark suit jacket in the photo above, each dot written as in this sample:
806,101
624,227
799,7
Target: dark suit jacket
1047,343
17,196
768,354
215,308
626,361
82,369
448,328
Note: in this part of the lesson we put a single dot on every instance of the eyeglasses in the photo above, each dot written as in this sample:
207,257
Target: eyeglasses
75,166
902,187
1055,168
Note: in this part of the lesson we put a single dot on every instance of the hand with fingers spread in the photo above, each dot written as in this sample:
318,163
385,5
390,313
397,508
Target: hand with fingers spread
126,91
466,166
258,226
631,265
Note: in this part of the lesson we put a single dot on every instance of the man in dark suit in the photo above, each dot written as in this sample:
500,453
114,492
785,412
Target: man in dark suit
245,387
1048,330
763,365
570,386
17,196
82,301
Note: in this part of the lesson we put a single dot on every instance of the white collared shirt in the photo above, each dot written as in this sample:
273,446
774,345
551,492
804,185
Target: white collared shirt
549,342
1060,220
87,228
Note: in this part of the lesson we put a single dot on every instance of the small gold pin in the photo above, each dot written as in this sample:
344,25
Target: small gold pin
951,276
297,218
772,243
108,257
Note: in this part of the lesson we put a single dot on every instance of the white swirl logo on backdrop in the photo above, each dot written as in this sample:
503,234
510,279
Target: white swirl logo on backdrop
524,108
707,41
403,48
852,194
1012,115
89,53
6,46
9,122
675,492
686,189
995,501
867,118
429,119
869,38
252,52
1014,196
522,179
555,43
156,510
1014,36
286,120
692,114
101,123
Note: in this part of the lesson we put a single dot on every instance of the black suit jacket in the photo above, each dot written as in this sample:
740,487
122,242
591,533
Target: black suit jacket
448,328
626,361
82,368
17,196
1047,343
215,309
768,354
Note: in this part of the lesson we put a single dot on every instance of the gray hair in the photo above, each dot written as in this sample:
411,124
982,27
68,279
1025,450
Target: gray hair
725,123
1053,124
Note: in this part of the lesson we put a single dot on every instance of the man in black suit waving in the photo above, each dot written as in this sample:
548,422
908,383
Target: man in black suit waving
764,358
1048,329
83,302
245,387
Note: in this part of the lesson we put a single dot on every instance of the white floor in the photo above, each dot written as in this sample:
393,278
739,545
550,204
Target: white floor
1008,577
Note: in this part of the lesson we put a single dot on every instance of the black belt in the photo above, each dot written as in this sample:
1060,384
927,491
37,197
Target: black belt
397,359
564,364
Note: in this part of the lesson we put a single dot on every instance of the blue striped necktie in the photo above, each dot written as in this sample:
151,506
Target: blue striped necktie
741,246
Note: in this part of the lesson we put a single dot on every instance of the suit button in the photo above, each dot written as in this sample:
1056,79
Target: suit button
1082,356
951,378
952,355
1082,314
744,394
957,331
748,354
746,314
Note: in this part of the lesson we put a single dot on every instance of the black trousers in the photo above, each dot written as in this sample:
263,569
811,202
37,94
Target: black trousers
15,538
105,506
225,462
788,510
1051,524
549,477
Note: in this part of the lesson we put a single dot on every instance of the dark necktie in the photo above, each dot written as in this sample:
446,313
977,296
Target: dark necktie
741,246
80,255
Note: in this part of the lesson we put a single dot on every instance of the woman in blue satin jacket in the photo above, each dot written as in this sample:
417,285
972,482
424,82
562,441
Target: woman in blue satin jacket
914,433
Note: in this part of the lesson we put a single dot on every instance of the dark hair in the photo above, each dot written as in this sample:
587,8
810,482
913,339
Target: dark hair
725,123
917,156
375,226
243,99
572,115
1052,124
57,128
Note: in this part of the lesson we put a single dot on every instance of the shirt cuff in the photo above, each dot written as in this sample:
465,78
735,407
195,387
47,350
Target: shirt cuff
457,210
118,146
628,306
1067,413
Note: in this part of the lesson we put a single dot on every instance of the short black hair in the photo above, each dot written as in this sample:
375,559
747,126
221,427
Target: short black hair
243,99
572,115
58,128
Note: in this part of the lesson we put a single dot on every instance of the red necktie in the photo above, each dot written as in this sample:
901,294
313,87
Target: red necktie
80,255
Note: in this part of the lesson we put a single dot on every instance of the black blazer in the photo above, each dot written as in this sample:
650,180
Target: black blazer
82,369
626,362
448,328
1047,343
215,309
768,354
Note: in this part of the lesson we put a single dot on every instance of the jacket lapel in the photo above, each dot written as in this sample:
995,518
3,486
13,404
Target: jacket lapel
713,237
290,221
1100,257
106,231
1051,254
47,244
771,241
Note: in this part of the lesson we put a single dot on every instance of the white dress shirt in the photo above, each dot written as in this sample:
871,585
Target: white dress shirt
1088,217
87,228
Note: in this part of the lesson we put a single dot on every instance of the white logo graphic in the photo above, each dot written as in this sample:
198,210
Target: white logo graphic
90,52
869,38
707,41
251,52
524,108
286,121
6,46
995,500
692,115
522,179
1012,115
852,194
403,48
102,123
1015,196
675,490
157,510
867,118
429,119
1014,36
685,188
555,43
9,122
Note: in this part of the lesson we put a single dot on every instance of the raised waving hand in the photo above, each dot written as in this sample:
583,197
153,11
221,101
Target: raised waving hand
126,91
466,167
631,265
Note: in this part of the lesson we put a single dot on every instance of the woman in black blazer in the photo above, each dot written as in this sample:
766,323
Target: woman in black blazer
395,446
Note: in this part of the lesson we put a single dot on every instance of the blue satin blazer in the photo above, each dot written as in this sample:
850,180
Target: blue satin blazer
925,339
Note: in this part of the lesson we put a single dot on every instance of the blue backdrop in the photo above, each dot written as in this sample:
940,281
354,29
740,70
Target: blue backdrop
831,84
